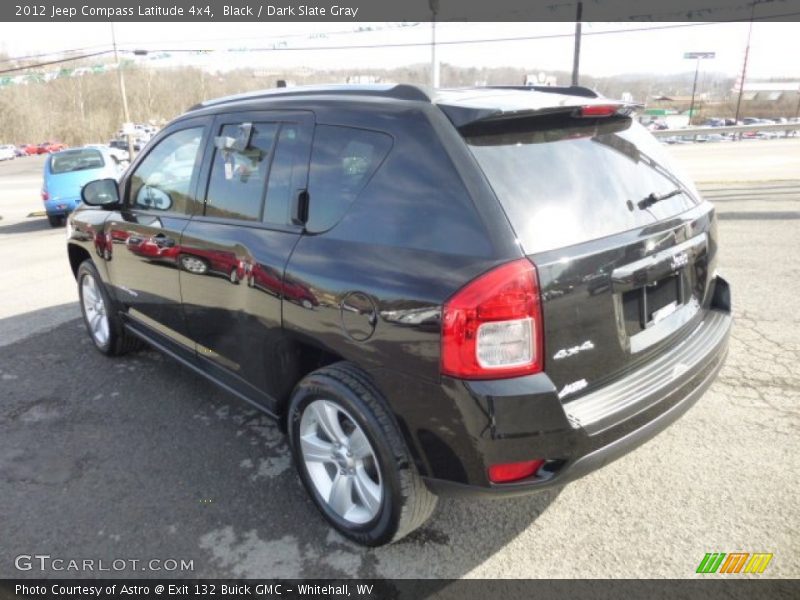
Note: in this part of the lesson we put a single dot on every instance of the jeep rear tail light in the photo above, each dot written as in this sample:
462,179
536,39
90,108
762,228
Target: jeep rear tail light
492,327
45,195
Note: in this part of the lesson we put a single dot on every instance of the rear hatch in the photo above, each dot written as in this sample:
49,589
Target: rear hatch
623,244
68,171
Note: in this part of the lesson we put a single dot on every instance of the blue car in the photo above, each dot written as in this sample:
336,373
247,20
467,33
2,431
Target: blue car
66,172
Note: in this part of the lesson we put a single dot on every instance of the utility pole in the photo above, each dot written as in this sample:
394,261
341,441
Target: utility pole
797,110
694,89
434,5
125,113
744,66
576,58
698,56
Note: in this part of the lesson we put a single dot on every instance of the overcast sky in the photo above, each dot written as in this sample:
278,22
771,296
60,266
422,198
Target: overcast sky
775,47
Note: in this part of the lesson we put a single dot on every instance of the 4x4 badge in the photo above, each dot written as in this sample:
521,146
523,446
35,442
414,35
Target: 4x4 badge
566,352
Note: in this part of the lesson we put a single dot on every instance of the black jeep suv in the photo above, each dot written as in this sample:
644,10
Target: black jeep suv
489,290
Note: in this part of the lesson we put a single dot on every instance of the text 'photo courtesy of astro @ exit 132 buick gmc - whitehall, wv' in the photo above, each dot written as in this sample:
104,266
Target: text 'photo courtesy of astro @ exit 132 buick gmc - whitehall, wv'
478,291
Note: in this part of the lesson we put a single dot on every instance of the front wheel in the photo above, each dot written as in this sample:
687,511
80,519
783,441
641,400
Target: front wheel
104,326
352,458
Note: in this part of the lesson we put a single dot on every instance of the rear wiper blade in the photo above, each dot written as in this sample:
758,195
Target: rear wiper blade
653,198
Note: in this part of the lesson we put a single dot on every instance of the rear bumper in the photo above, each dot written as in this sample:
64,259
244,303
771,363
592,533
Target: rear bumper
61,207
527,421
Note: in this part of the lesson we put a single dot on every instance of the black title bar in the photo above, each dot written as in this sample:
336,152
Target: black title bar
396,10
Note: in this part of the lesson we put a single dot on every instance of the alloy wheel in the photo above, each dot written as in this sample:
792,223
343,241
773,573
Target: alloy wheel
340,462
94,308
193,265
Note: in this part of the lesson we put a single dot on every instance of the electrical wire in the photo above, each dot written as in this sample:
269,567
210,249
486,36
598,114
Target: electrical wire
413,44
53,53
56,62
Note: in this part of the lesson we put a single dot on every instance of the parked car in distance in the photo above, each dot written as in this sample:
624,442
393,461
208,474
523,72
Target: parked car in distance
8,152
50,147
122,144
418,286
66,172
118,154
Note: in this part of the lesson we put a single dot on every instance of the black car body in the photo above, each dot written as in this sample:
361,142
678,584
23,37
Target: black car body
520,277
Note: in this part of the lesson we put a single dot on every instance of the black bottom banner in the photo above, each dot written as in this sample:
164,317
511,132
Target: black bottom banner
404,589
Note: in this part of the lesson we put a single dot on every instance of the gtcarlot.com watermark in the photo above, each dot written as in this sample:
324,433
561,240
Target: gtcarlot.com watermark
45,562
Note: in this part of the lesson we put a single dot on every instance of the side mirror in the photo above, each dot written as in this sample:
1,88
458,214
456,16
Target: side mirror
100,192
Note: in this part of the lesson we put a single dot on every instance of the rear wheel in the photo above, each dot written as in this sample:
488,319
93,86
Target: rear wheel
104,326
352,458
56,220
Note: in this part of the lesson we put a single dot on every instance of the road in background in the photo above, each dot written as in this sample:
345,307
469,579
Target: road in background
37,280
746,160
138,458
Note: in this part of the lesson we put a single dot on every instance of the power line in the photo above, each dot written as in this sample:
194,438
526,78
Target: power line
55,62
54,53
418,44
503,39
207,39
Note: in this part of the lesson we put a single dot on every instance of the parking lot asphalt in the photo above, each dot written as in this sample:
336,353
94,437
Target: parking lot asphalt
137,458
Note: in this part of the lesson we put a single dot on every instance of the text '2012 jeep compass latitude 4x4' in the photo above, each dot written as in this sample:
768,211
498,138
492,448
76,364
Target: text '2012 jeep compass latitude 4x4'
489,291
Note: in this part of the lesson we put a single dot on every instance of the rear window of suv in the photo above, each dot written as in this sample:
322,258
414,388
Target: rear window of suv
563,182
76,160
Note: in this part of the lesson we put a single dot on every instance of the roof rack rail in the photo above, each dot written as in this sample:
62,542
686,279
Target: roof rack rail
568,90
399,91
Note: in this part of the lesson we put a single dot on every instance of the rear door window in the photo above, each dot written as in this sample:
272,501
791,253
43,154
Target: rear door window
562,182
287,162
343,160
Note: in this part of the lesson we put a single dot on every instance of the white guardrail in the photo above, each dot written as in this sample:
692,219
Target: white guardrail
695,131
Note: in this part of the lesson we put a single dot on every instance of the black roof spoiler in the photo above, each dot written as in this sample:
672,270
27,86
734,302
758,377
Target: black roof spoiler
469,106
569,90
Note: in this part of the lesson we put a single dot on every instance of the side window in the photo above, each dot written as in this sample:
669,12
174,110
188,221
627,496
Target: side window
343,160
238,177
162,180
281,175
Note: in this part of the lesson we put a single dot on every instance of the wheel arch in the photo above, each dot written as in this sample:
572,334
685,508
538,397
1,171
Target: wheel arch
77,254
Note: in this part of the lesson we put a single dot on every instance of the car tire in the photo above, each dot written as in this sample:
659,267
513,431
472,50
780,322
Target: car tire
193,264
56,220
102,323
387,497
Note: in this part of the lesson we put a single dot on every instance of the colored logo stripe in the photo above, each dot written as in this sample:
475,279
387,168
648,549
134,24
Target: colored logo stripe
735,561
711,562
758,562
